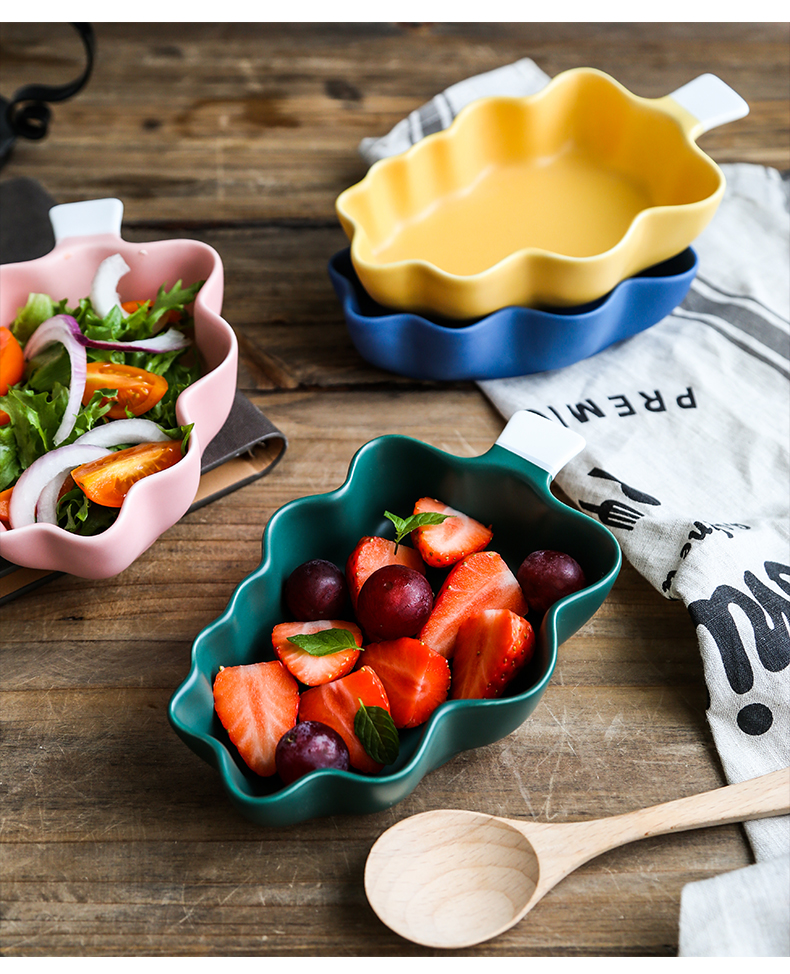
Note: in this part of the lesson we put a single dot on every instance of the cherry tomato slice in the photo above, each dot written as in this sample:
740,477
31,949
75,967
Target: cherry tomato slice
106,481
138,390
12,360
5,506
12,366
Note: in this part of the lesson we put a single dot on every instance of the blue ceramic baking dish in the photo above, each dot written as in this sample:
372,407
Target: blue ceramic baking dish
512,341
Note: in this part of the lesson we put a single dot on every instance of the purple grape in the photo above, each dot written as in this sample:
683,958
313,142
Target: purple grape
309,746
395,601
317,589
546,577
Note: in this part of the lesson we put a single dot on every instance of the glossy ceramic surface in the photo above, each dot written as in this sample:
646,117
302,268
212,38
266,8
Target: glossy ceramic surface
548,200
503,488
85,234
512,341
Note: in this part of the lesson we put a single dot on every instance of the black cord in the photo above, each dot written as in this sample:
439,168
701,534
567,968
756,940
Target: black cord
27,115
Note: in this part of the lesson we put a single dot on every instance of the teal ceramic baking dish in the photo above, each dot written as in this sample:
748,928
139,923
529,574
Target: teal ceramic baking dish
507,487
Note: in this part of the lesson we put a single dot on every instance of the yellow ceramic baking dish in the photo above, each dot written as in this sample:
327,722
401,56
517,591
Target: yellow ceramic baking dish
541,201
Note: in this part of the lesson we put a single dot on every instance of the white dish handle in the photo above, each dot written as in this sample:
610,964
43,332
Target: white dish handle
711,101
86,218
541,441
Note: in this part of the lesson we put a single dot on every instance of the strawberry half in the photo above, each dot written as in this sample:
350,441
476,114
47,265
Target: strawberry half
490,650
481,581
415,678
336,705
256,705
445,544
314,670
372,553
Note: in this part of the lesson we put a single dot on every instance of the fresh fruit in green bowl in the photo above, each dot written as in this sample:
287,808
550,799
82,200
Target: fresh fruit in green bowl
352,527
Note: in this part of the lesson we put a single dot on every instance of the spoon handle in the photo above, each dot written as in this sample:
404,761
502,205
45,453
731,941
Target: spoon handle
760,797
755,798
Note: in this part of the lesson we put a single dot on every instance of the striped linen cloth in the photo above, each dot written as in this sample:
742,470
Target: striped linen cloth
693,417
687,430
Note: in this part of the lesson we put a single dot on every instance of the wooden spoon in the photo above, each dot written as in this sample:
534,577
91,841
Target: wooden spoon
452,878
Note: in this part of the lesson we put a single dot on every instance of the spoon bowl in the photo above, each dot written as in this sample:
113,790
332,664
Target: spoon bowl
460,870
452,878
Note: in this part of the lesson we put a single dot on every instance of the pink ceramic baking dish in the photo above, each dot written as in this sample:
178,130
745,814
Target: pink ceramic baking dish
85,234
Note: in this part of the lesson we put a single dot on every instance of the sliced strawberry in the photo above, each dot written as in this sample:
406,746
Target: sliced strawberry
314,670
372,553
490,649
415,678
336,704
256,705
442,545
481,581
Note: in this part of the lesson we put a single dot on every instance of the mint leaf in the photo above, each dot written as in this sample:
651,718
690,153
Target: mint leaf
324,643
405,525
377,733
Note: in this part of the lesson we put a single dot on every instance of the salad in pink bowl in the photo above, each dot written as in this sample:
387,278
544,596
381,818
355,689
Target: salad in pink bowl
117,372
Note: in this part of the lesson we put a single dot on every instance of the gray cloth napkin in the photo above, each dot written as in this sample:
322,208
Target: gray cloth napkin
736,914
687,429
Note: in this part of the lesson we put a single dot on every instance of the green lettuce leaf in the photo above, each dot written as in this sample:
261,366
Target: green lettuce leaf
10,468
38,309
81,516
35,418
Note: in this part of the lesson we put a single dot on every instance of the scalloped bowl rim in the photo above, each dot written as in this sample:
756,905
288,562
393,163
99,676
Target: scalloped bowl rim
482,321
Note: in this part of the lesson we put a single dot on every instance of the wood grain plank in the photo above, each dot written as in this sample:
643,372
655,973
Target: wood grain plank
85,761
116,839
124,862
263,121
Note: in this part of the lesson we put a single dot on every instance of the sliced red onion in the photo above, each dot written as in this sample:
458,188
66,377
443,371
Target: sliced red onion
27,490
169,341
61,328
104,289
122,431
47,506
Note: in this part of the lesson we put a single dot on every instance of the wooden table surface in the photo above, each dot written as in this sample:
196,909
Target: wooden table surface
116,838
